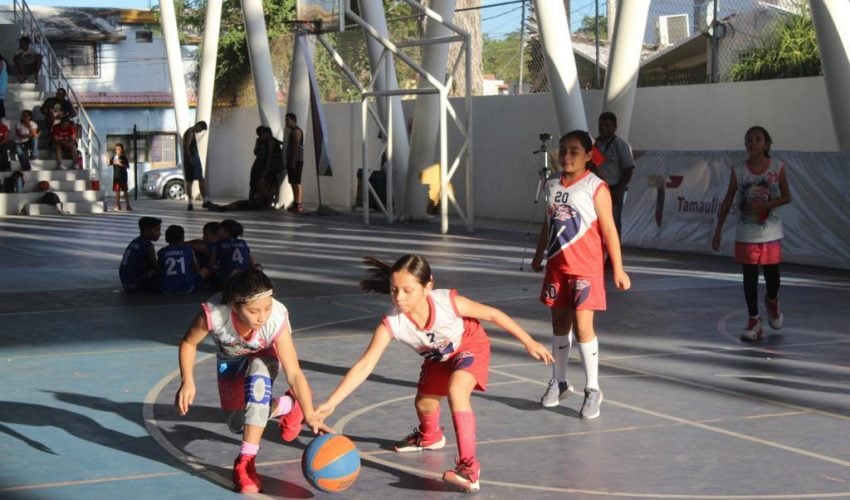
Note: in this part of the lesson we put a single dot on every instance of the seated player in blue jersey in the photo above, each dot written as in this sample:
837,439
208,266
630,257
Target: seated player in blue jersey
138,270
232,253
204,247
179,273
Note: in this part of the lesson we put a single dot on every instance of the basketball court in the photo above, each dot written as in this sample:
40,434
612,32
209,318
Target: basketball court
90,374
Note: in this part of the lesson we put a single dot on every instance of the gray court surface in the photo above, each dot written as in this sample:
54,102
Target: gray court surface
89,372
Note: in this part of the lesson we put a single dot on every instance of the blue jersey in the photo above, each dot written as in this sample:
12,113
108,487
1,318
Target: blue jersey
233,255
135,263
176,274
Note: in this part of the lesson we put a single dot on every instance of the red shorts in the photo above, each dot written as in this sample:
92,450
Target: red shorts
119,186
765,254
472,356
574,292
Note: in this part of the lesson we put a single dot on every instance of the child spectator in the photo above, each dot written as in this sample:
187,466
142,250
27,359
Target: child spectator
179,273
64,136
120,165
139,270
7,145
206,245
231,253
26,139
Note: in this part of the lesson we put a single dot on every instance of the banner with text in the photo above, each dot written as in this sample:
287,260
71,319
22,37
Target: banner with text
674,197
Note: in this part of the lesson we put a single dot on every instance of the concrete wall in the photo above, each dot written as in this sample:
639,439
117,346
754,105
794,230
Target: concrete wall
506,130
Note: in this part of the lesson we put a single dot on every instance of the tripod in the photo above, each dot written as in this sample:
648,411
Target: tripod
542,176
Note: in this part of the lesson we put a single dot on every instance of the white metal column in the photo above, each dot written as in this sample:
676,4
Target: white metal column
831,18
560,65
427,132
618,95
206,84
398,143
261,66
176,75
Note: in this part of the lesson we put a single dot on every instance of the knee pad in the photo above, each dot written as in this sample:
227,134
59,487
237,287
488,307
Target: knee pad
258,389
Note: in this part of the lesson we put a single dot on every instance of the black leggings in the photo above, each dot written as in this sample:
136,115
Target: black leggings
751,283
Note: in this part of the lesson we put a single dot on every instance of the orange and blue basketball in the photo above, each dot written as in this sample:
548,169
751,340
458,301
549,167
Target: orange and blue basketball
331,463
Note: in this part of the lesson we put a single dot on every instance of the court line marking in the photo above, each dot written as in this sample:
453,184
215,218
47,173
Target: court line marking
88,481
191,462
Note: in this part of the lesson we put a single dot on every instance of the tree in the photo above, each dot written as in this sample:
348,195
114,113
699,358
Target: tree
790,50
588,27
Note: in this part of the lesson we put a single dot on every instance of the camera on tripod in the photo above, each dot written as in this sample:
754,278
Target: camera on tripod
545,137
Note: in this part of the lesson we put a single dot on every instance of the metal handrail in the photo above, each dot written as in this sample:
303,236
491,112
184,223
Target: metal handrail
88,138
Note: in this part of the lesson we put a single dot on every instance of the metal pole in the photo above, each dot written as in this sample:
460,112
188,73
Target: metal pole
598,82
521,46
714,24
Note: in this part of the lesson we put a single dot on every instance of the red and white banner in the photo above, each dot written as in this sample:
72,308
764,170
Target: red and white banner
674,197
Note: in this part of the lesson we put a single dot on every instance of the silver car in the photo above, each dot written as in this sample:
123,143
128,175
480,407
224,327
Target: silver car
164,183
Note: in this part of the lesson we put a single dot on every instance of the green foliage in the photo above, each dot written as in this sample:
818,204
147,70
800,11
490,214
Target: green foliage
501,57
789,51
588,27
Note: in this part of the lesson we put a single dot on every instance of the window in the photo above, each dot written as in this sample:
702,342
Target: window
78,60
158,149
144,37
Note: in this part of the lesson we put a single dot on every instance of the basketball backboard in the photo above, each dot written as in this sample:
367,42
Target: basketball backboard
321,16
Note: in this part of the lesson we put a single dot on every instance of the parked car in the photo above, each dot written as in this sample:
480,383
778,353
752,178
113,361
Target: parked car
164,183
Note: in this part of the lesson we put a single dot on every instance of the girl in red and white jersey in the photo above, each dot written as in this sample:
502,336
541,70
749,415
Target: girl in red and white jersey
442,327
579,222
760,184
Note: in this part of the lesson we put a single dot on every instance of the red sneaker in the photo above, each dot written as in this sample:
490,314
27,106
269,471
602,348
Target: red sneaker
465,475
415,441
290,424
775,318
245,477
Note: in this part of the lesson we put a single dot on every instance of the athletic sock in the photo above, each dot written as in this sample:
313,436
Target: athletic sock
429,425
590,359
249,449
281,406
464,422
561,347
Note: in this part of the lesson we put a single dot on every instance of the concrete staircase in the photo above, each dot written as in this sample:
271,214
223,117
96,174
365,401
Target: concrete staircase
72,186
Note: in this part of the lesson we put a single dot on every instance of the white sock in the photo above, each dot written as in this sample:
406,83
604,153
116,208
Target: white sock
206,199
561,347
590,359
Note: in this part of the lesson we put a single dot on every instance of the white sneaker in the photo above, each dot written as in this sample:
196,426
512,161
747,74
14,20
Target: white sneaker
754,330
556,391
592,403
775,318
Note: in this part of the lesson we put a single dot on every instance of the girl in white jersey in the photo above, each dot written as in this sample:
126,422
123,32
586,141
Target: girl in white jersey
762,188
443,328
253,340
579,222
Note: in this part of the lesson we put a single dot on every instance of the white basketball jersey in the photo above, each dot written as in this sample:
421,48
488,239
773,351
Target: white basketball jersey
442,335
765,226
220,321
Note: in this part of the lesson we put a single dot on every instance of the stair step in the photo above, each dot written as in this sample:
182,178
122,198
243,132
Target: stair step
33,176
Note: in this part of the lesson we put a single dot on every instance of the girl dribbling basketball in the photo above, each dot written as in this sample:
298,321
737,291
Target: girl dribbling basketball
443,328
